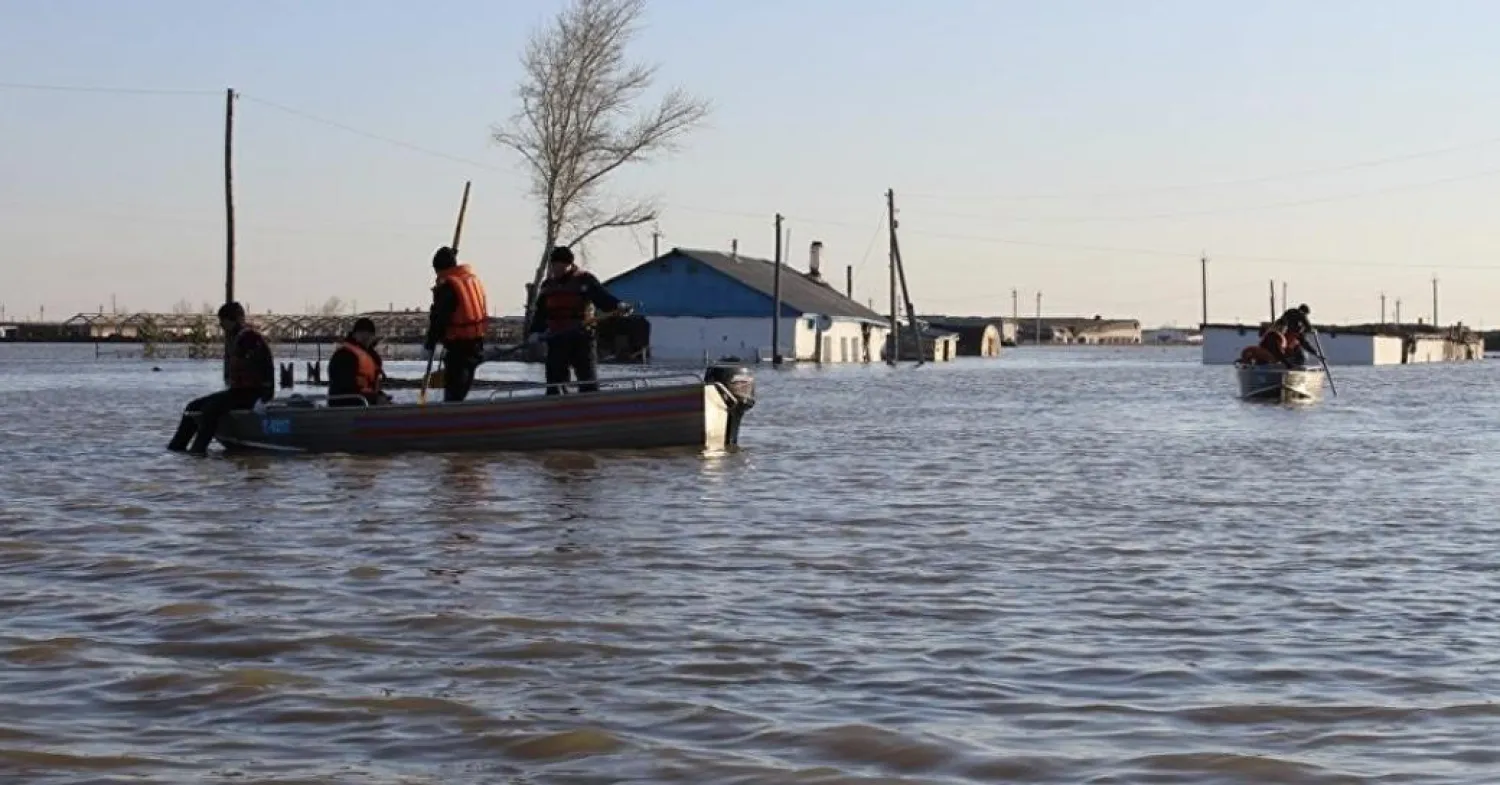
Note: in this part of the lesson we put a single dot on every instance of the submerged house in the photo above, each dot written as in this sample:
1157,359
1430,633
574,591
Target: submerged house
1358,344
706,305
978,336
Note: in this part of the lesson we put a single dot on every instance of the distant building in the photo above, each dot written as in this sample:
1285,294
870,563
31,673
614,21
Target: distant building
1171,336
1357,344
978,336
706,305
1079,330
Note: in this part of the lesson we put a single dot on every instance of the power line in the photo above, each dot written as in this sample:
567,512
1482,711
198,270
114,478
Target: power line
1218,183
1229,210
52,88
824,222
368,134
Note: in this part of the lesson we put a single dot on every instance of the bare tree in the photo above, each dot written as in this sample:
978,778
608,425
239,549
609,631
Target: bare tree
578,121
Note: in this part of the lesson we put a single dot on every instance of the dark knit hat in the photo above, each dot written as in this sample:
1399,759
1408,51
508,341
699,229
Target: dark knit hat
561,255
444,258
231,310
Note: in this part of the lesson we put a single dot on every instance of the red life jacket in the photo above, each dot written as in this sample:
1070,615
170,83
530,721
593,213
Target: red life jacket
563,303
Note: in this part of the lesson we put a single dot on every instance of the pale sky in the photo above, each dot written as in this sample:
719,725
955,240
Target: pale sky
1089,150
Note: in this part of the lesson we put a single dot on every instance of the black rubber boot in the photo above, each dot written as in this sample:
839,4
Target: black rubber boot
184,434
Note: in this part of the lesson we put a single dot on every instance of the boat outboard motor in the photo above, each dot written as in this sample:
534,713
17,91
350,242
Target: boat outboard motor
737,381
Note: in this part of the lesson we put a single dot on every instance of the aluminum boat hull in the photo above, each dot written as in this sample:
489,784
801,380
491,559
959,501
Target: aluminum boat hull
700,413
1279,384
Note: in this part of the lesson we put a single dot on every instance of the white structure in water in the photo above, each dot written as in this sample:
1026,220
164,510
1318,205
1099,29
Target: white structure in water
1356,344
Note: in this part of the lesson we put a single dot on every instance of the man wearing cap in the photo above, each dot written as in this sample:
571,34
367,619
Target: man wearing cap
460,318
564,319
249,378
355,370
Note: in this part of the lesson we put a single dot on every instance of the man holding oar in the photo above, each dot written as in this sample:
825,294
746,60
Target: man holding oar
564,318
460,318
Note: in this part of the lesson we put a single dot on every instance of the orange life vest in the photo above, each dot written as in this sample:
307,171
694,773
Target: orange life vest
1273,341
471,318
367,369
563,304
240,372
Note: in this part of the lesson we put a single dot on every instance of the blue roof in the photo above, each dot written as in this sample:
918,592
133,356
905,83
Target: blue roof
799,291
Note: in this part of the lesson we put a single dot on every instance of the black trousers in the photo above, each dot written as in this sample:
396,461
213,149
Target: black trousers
575,353
212,408
460,362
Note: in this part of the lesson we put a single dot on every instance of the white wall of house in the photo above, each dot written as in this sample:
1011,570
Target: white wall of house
1222,346
696,339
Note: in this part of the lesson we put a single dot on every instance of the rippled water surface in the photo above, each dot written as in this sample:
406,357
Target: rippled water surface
1065,566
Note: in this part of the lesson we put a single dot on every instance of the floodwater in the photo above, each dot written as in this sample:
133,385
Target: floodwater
1065,566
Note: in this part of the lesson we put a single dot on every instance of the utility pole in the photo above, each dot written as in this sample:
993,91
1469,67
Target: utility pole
1038,318
1273,301
1285,303
849,281
890,209
655,242
1204,261
1382,308
229,195
1434,301
1398,311
776,295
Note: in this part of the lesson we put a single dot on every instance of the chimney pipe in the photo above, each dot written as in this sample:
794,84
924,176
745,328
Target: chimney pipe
849,281
734,249
814,251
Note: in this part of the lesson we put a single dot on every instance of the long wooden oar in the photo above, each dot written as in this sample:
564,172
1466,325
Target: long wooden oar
1317,344
458,232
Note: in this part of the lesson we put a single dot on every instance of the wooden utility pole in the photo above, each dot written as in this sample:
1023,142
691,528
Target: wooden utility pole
1038,318
1203,260
1434,301
890,209
911,311
229,195
776,297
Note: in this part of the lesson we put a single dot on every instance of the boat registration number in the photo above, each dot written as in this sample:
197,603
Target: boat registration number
275,426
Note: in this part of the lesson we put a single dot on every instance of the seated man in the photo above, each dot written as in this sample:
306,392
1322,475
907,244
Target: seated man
356,369
249,376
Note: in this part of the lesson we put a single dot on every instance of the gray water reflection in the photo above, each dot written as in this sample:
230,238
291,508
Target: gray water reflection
1067,566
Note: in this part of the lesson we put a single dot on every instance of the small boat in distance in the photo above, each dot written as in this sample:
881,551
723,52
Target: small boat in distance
1279,384
681,410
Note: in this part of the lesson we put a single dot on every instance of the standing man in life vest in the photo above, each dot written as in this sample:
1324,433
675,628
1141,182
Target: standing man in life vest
249,378
564,319
355,369
460,318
